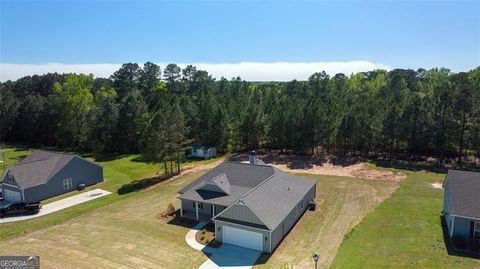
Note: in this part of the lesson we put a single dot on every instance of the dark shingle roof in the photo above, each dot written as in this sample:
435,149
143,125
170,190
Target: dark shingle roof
241,177
463,193
38,167
275,198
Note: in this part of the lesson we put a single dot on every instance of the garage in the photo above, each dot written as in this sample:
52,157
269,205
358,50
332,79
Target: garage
11,196
242,238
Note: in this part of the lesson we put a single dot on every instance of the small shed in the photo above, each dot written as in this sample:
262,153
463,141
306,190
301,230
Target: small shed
204,152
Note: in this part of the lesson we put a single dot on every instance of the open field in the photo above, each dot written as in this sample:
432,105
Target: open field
342,202
130,233
119,171
403,232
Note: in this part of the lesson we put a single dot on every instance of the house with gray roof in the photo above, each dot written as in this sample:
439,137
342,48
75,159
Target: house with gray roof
253,205
45,174
461,204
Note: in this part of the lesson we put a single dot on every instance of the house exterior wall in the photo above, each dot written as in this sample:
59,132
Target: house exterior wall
295,214
242,213
265,233
188,205
462,227
79,170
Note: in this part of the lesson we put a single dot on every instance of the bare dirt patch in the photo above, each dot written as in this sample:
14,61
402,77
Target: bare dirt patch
319,165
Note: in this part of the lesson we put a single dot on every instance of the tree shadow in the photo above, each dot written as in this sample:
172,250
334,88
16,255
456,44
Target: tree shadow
141,184
448,244
105,157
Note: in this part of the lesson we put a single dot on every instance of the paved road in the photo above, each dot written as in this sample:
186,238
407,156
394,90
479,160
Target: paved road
60,204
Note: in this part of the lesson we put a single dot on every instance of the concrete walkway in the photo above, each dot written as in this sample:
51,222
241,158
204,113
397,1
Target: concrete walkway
226,256
60,204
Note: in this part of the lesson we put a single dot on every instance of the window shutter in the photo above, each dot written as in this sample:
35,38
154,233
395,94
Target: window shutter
472,226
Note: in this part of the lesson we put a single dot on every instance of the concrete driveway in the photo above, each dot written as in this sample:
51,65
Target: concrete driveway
60,204
226,256
231,257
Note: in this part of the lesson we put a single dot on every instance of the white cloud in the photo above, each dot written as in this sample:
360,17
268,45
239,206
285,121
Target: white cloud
252,71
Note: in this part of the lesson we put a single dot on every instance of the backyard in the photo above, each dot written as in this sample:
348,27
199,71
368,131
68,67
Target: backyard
403,232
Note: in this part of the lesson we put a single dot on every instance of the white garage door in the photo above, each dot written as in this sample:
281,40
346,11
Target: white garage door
11,196
242,238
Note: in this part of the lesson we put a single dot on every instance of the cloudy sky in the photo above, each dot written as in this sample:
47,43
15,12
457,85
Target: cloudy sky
255,40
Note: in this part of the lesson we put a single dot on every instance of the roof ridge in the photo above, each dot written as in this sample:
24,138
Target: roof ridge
32,161
235,162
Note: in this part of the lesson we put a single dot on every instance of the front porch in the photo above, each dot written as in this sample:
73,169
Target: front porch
198,211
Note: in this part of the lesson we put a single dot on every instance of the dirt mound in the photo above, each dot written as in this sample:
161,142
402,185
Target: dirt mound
317,165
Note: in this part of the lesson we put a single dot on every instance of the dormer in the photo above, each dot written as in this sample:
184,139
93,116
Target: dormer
219,184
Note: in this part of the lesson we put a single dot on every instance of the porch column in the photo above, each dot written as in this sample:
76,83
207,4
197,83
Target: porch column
181,209
213,210
196,210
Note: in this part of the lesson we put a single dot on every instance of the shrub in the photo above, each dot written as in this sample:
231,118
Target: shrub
170,208
202,238
206,241
474,246
204,231
458,242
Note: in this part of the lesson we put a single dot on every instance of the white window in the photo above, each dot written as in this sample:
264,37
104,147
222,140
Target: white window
476,230
9,178
67,183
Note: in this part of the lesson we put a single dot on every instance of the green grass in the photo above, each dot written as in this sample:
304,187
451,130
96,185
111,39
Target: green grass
342,202
403,232
118,171
127,234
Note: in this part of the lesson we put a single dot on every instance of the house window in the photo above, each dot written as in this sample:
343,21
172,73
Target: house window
476,231
200,205
194,205
67,183
9,178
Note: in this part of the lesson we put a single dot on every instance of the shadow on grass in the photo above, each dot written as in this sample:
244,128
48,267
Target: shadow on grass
448,244
140,184
182,222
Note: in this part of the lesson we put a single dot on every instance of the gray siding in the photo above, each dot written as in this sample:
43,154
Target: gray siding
219,233
188,205
79,170
242,213
462,227
287,224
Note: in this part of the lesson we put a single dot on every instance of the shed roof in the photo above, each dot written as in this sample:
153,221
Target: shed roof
463,189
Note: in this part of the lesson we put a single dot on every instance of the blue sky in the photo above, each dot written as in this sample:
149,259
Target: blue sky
400,34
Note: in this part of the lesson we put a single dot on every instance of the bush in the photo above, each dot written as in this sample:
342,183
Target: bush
204,231
206,241
474,245
458,242
170,208
202,238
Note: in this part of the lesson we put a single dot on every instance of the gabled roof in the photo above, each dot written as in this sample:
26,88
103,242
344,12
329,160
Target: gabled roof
219,184
38,168
463,189
241,177
272,200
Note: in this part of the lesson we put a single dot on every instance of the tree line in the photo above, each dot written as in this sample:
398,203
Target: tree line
397,114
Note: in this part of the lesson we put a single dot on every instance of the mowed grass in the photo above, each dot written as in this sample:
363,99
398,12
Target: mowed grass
127,234
403,232
118,171
342,202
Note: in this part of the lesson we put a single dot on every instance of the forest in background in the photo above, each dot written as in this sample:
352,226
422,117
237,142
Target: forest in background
397,114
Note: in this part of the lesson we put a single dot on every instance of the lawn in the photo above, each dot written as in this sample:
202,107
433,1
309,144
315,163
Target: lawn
119,170
403,232
128,234
342,202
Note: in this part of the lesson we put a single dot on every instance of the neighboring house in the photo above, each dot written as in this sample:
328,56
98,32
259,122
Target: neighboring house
461,206
204,152
45,174
253,205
